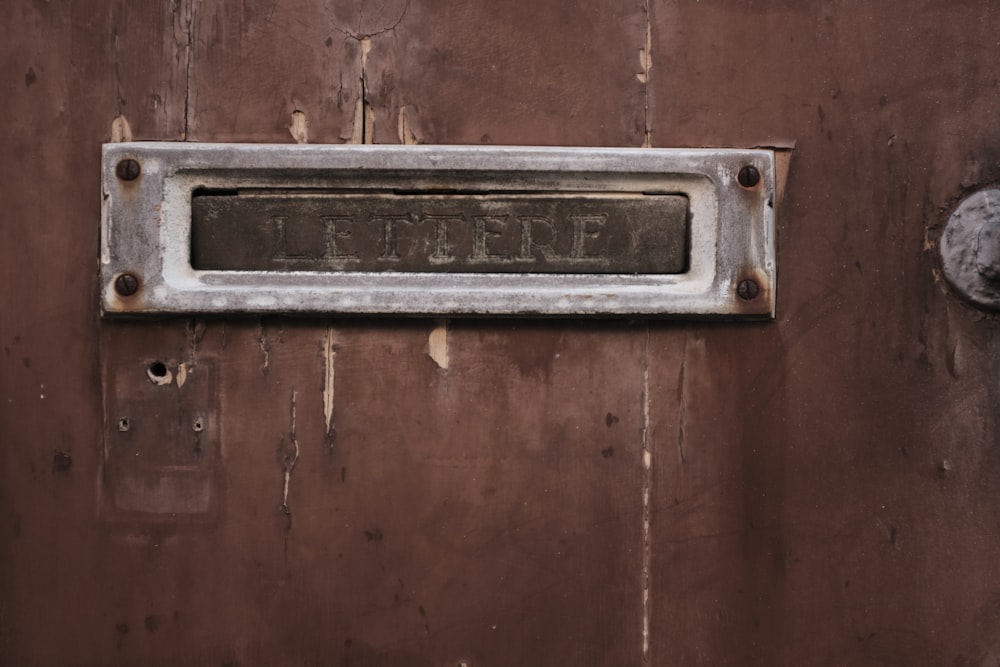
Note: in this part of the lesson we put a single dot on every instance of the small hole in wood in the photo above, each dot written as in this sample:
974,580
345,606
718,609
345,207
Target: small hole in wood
159,374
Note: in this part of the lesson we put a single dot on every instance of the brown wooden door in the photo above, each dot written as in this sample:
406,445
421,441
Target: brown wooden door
821,489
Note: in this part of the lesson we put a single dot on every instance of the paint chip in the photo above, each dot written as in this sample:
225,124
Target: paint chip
120,130
437,345
330,357
299,129
406,136
646,55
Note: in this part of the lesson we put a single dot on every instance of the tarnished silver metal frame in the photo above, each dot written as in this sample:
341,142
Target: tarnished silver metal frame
146,230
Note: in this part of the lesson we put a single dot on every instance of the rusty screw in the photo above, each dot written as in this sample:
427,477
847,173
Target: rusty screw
748,176
748,289
128,169
126,284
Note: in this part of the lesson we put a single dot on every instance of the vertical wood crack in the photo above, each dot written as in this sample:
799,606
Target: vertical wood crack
116,46
188,61
330,358
367,114
120,129
364,117
289,457
265,351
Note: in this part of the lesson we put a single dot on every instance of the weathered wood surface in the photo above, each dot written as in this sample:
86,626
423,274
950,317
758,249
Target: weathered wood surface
818,490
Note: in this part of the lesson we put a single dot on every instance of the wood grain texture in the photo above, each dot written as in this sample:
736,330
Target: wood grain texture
817,490
511,73
254,64
150,51
834,505
60,90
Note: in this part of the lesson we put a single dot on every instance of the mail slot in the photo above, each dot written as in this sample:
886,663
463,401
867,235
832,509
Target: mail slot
437,230
593,233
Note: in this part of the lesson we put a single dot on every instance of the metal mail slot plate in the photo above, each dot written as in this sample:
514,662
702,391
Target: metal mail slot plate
436,230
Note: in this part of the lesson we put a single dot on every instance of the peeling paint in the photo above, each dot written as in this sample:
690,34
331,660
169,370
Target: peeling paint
437,344
369,123
330,357
645,574
182,373
364,115
646,63
265,351
406,136
367,113
647,464
358,135
366,47
289,457
120,130
646,53
299,128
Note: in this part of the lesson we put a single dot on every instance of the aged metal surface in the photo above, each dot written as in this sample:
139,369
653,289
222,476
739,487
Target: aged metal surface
615,233
147,231
970,249
823,488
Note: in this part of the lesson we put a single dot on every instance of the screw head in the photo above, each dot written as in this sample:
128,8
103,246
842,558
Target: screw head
748,176
128,169
126,284
748,289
